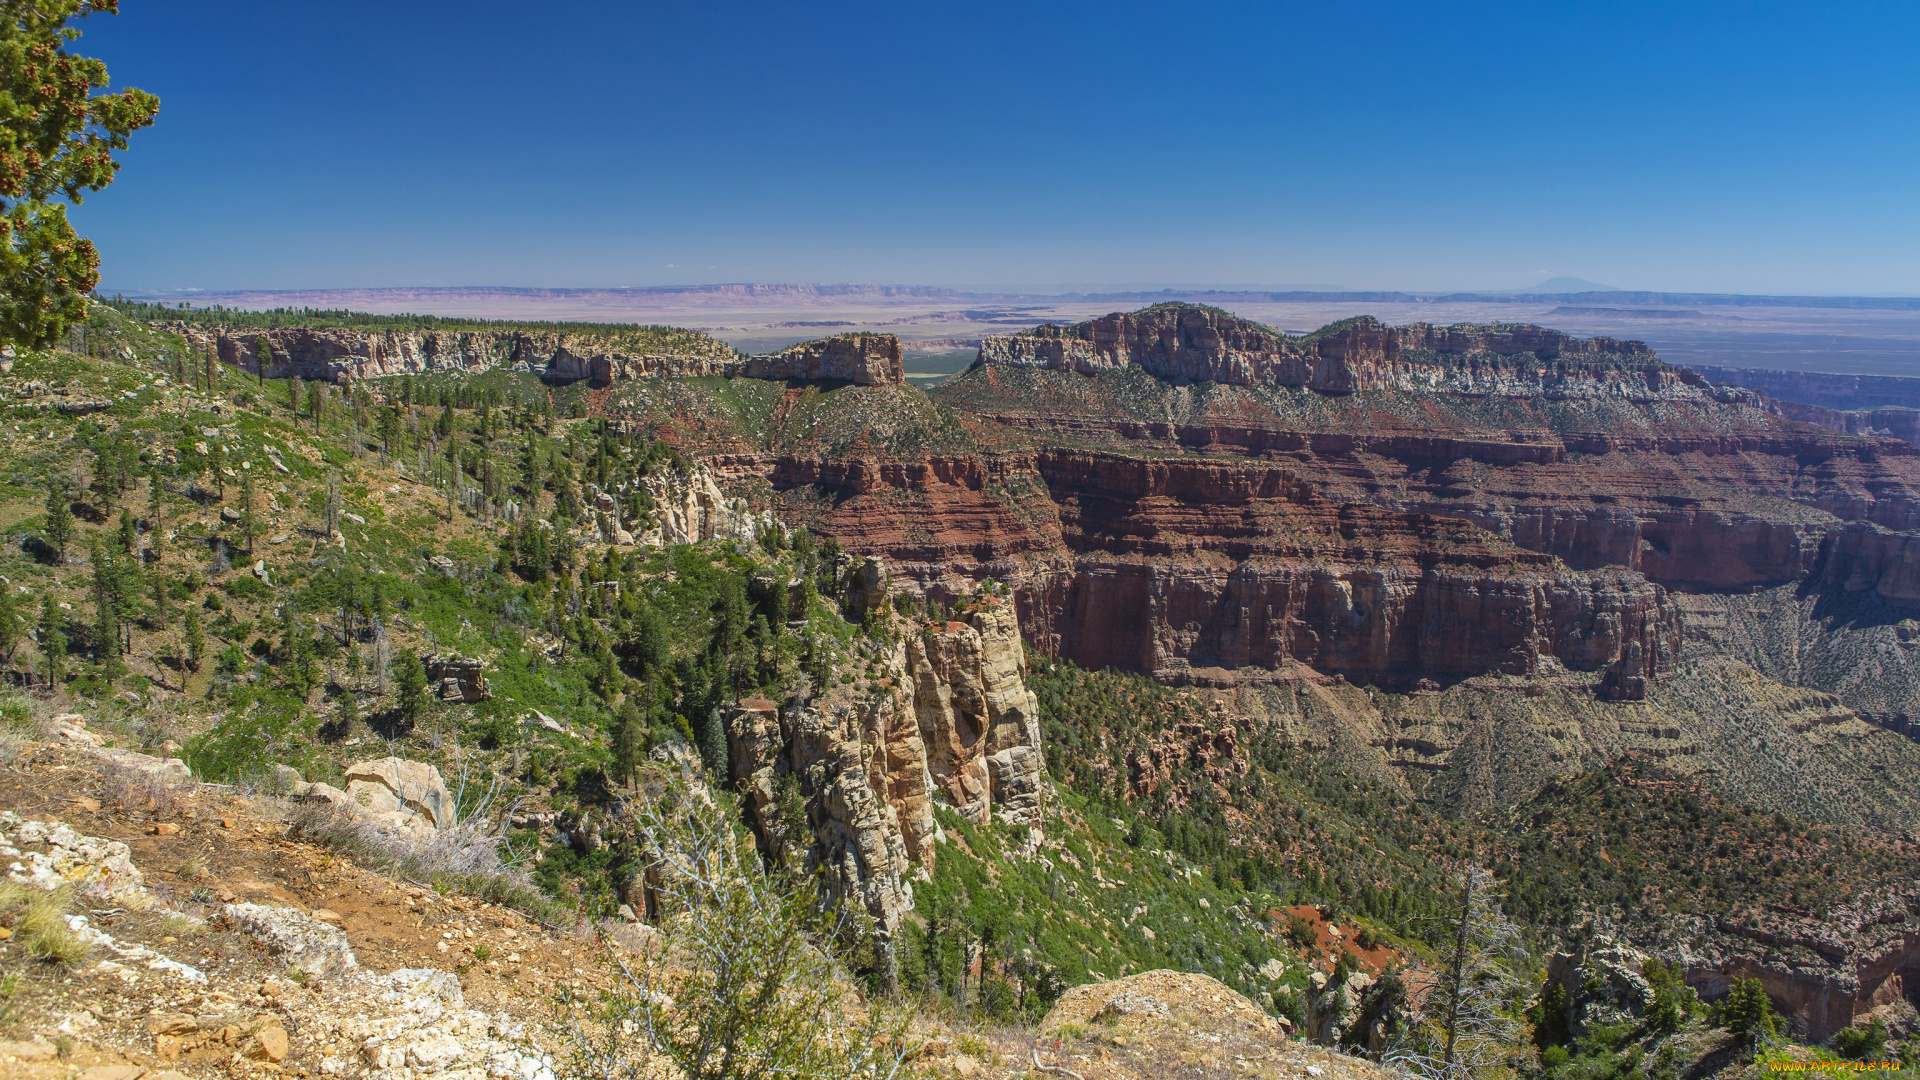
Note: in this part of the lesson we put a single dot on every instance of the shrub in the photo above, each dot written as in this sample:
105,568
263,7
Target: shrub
1300,929
1747,1012
1862,1043
752,991
1673,999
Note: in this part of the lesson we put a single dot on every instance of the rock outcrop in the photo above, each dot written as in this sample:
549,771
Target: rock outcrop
1184,343
690,508
848,777
1602,980
862,359
980,722
1827,389
392,795
458,678
340,355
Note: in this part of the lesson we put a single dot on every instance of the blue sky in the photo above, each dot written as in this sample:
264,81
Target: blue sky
1753,147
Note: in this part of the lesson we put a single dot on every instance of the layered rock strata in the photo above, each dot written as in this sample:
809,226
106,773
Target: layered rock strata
1174,566
340,355
1187,344
863,359
848,779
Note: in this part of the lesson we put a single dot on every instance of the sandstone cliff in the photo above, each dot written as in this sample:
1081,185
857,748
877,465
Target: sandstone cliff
1185,343
340,355
682,507
863,359
848,776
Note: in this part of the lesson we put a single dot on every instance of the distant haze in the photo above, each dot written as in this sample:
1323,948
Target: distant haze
1852,335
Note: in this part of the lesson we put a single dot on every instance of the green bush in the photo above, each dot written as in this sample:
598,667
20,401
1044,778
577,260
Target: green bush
1867,1043
1673,999
1747,1012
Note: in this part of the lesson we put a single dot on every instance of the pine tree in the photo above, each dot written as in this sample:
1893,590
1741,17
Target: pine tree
246,507
59,520
262,358
109,603
316,402
196,640
1465,1027
12,626
51,633
626,738
410,685
128,532
59,144
217,462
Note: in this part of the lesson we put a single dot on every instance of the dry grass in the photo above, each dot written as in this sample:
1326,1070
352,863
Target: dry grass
136,792
463,858
17,726
38,919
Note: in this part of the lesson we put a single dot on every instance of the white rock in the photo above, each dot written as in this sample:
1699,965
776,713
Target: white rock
397,786
308,944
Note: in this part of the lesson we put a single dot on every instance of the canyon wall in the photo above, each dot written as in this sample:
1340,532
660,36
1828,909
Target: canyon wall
1894,421
847,779
862,359
1834,391
343,355
1190,344
1181,567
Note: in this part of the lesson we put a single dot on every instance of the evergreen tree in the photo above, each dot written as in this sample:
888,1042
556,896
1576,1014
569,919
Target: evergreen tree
410,687
196,640
59,520
389,427
1746,1012
246,507
110,597
129,532
316,401
58,143
217,463
294,386
12,625
628,727
51,634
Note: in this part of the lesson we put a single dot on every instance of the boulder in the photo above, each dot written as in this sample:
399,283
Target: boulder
401,796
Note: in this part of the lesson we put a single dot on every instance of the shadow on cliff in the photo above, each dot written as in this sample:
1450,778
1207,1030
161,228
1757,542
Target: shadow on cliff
1835,607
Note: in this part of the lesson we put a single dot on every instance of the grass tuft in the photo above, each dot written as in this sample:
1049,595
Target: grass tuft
39,921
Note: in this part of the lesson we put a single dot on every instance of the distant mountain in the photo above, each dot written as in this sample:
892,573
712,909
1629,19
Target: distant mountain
1568,285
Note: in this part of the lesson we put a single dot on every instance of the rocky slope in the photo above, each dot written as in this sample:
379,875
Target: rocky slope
340,355
944,713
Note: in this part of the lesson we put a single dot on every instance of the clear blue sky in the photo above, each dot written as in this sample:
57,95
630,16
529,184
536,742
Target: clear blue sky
1758,147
